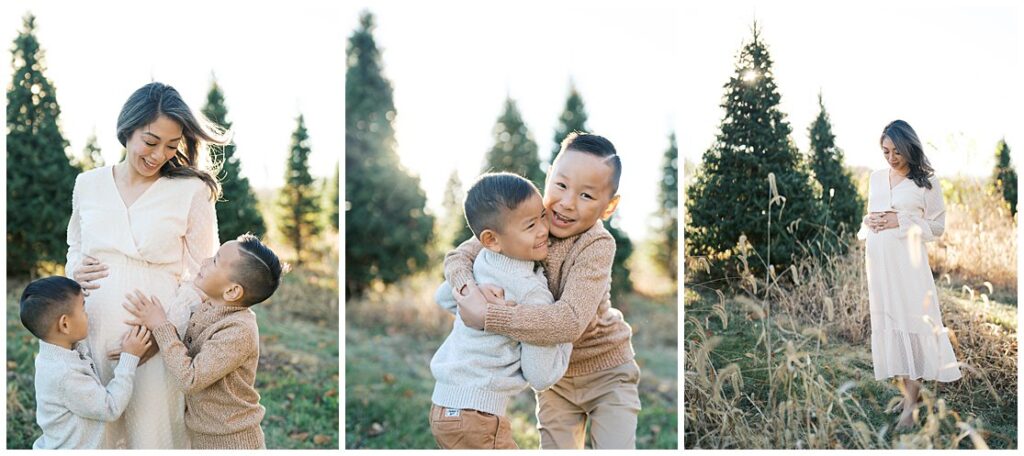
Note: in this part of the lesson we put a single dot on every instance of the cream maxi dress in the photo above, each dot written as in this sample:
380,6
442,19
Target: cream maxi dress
153,245
907,334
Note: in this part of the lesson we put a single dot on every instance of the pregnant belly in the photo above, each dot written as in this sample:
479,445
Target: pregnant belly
104,305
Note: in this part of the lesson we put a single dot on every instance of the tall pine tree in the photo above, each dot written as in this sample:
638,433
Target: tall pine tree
1005,176
843,204
514,149
40,176
574,118
455,229
298,198
667,255
333,212
92,155
730,195
238,210
387,229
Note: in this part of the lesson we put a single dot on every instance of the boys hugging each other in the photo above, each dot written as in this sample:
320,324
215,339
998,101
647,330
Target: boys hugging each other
72,404
477,372
599,390
215,361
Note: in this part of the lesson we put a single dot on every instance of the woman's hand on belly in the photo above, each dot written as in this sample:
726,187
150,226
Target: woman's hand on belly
90,271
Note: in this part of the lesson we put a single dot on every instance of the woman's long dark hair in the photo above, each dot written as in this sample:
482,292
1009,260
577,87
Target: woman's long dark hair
909,147
156,99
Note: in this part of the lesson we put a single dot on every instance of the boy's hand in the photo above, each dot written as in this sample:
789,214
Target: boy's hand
153,349
148,312
136,341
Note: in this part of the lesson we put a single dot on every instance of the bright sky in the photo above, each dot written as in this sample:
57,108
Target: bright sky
272,63
452,64
952,70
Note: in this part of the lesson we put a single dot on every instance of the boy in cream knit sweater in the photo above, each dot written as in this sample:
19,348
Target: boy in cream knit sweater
476,371
215,364
601,384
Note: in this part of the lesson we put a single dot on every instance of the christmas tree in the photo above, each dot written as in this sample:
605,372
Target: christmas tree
40,176
237,211
298,198
843,205
668,212
730,195
1005,176
92,155
387,229
514,149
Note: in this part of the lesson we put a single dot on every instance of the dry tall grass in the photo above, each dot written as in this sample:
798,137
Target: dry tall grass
804,379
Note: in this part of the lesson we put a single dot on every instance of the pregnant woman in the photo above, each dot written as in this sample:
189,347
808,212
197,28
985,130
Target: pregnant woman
146,222
908,339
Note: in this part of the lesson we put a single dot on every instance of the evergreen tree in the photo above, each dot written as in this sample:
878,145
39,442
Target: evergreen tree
237,211
730,194
667,256
843,204
573,118
455,229
387,229
1005,176
92,155
40,176
332,212
298,198
514,149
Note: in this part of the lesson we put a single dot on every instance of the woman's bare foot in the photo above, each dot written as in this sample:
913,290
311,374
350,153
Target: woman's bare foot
906,420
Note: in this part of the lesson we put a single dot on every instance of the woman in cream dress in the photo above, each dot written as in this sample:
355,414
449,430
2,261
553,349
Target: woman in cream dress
906,210
147,223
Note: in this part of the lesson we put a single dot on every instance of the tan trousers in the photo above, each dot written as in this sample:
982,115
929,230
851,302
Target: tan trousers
609,398
470,429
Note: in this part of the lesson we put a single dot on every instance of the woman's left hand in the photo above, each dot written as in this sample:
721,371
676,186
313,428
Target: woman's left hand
881,221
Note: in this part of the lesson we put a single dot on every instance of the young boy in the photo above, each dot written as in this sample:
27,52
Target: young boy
71,402
215,365
478,372
601,381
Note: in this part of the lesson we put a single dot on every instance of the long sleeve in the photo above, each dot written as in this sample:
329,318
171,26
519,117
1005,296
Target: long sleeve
586,287
933,224
201,238
85,396
74,236
458,263
444,298
862,234
224,352
543,366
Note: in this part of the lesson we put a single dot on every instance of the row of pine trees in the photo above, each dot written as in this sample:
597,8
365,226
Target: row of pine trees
813,205
390,230
41,175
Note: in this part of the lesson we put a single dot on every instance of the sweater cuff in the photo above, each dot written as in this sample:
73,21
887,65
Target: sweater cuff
128,362
498,318
460,279
165,335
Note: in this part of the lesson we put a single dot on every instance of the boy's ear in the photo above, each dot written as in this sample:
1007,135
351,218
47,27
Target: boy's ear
234,293
610,209
490,241
64,324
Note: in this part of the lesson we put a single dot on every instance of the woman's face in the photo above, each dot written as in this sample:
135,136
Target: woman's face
150,146
892,156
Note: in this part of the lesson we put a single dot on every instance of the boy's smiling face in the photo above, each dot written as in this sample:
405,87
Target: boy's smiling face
214,277
578,191
524,232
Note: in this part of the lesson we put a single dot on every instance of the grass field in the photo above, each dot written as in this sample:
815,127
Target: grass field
392,333
788,364
298,370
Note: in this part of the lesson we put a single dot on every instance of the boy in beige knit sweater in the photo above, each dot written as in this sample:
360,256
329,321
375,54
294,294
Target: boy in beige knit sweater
215,364
600,385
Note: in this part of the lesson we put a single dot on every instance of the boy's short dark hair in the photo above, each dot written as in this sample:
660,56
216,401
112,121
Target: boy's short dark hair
258,270
490,196
598,146
44,301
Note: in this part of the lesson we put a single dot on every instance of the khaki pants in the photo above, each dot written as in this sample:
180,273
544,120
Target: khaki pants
609,398
470,429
